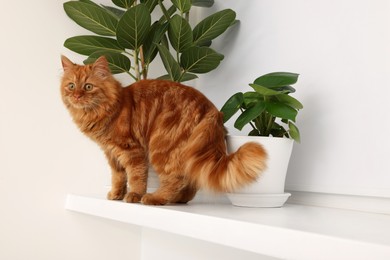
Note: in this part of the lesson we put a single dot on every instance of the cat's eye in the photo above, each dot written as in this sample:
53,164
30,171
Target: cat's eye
71,86
88,87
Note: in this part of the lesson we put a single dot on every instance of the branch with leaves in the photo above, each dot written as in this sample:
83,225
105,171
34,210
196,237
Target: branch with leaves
126,35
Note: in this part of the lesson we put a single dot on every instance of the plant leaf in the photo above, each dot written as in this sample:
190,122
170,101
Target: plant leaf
294,132
249,115
277,79
88,44
170,64
289,100
179,33
281,110
231,106
264,91
213,26
123,3
203,3
117,62
114,11
133,27
200,59
252,97
91,17
183,5
154,38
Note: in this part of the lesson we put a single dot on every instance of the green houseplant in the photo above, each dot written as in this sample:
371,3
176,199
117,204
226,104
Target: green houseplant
271,111
129,38
269,102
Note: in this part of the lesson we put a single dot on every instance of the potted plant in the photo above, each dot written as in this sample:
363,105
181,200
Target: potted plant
271,112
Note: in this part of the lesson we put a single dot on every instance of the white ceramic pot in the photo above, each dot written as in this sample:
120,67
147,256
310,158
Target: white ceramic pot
268,190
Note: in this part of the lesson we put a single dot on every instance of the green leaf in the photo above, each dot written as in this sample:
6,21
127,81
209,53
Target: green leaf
187,77
289,100
252,97
154,38
133,27
254,132
183,78
179,33
123,3
281,110
263,90
249,115
200,59
91,17
294,132
277,79
183,5
88,44
117,62
114,11
213,26
203,3
232,105
170,64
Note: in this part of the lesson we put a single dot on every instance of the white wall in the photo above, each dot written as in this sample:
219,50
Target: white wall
342,51
42,154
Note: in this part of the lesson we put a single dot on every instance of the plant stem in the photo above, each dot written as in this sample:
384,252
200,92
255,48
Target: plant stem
144,69
164,10
269,125
136,65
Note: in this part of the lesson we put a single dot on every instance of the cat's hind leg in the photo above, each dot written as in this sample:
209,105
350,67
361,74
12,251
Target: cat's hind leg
168,192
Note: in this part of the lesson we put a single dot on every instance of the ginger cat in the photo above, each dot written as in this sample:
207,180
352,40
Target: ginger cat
171,126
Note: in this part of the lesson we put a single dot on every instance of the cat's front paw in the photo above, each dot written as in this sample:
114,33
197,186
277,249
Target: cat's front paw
133,197
151,199
115,195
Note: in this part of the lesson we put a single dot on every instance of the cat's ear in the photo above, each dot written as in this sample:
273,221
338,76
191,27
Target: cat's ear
100,67
66,63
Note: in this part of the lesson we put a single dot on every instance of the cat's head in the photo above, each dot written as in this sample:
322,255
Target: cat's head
88,87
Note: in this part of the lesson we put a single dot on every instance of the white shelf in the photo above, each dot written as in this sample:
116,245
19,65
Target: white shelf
291,232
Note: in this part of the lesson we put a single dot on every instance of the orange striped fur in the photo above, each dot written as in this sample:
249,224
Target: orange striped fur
171,126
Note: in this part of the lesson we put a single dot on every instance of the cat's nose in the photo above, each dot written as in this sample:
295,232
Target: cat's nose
77,96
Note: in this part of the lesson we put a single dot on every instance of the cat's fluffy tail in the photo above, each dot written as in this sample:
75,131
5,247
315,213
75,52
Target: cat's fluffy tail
210,167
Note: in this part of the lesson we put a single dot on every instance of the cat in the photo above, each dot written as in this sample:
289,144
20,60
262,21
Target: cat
173,127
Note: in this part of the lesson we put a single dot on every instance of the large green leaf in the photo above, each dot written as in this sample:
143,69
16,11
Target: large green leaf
232,105
264,91
118,13
251,97
93,18
123,3
281,110
213,26
133,27
88,44
294,132
249,115
179,33
289,100
117,62
203,3
154,37
184,77
183,5
170,64
277,79
200,59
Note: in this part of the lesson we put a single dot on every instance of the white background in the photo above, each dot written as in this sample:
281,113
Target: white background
340,48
